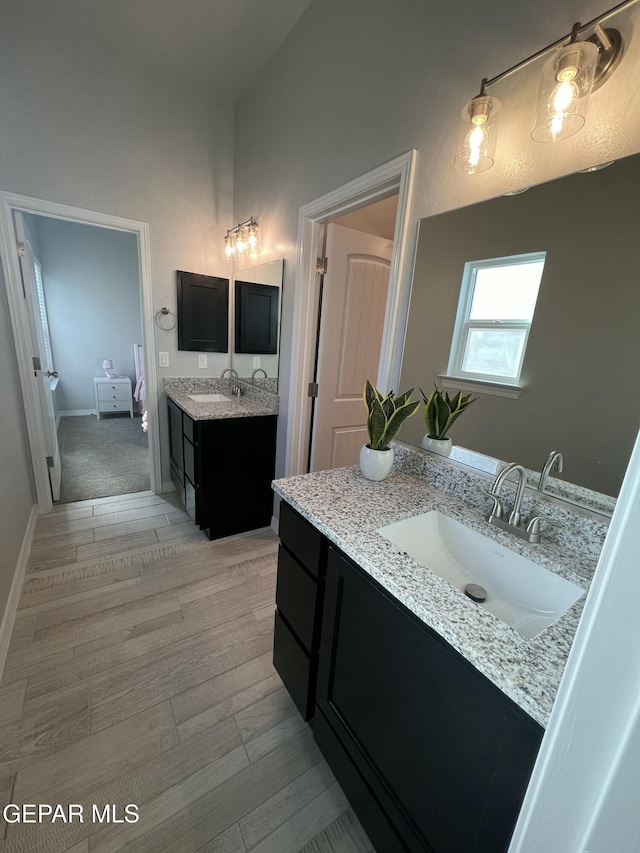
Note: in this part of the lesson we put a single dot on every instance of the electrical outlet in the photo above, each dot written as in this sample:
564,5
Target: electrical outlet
202,360
256,361
163,359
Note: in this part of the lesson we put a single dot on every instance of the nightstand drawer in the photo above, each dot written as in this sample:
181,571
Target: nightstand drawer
114,405
117,394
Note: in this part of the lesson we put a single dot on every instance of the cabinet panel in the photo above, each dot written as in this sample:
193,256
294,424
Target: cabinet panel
432,736
176,453
203,312
189,460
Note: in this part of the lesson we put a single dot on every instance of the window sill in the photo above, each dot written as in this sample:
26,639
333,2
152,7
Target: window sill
482,386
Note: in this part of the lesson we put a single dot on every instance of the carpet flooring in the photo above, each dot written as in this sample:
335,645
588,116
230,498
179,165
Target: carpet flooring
102,457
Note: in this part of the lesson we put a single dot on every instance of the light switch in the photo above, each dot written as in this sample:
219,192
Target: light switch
163,359
202,360
256,361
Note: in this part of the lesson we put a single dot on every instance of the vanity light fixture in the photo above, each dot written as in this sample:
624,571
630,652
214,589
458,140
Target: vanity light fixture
243,239
579,63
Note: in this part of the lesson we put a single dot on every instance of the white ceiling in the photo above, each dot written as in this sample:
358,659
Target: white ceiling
216,46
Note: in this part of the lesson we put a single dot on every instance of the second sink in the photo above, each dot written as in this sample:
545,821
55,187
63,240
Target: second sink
209,398
521,593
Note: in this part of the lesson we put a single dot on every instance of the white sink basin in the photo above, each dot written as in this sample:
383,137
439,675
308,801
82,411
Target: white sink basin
520,593
209,398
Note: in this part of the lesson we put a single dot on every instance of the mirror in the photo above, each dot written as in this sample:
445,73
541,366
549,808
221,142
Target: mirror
580,370
255,324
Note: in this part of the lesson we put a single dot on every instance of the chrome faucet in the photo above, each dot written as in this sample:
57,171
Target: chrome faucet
532,531
233,381
259,370
554,461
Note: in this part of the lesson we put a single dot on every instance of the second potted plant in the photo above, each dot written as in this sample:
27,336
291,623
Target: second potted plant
440,413
386,416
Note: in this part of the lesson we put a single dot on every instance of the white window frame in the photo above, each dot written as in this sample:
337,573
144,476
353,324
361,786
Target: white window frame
491,382
47,353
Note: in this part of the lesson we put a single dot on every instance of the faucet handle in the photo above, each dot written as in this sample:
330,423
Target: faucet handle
497,510
533,528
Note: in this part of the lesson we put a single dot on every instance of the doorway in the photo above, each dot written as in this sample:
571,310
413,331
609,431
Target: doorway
352,312
32,373
393,177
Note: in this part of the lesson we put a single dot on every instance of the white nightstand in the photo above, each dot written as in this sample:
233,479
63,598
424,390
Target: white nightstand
113,395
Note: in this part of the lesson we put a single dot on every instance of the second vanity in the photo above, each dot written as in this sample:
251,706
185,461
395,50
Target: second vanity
429,709
222,454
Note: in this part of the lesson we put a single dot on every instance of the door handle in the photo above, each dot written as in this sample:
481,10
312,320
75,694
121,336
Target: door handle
52,374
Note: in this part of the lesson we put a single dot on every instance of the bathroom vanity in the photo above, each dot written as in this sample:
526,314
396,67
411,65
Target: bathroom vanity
222,456
429,710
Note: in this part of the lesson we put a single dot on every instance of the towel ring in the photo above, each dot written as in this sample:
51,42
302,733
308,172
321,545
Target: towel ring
165,320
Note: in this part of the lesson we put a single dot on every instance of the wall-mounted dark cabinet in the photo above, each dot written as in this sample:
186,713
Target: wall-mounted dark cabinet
256,318
432,756
222,470
203,312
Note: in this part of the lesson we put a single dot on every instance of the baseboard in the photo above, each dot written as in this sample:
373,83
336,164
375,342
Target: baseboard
167,487
9,616
275,524
76,413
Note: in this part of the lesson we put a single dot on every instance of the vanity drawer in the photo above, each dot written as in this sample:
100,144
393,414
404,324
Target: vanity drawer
189,460
188,427
294,668
296,597
301,538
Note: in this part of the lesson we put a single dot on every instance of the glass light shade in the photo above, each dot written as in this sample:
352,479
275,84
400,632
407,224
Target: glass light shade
229,248
565,87
475,151
253,239
241,241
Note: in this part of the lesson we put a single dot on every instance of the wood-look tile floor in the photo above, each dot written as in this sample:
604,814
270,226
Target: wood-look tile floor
139,672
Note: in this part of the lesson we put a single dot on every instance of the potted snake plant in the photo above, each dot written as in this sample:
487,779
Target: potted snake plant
385,417
440,413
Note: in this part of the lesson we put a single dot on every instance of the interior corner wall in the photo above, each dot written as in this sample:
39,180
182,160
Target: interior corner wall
92,291
356,84
79,128
17,493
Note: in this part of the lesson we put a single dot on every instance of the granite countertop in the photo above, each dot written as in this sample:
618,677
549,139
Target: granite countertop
250,404
348,510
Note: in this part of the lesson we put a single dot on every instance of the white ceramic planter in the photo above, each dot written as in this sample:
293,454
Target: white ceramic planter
375,464
437,445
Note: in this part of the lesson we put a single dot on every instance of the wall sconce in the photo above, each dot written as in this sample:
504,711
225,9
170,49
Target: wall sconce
244,239
580,63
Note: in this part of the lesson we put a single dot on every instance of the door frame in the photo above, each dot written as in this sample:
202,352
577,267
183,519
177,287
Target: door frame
22,340
397,175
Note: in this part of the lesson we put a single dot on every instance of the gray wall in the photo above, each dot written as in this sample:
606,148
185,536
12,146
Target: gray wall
581,364
92,290
16,485
359,83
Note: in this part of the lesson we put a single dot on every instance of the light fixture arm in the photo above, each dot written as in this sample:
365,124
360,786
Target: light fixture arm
604,37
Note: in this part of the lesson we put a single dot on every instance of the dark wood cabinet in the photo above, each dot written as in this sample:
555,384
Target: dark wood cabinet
256,318
431,754
203,312
299,600
442,751
223,470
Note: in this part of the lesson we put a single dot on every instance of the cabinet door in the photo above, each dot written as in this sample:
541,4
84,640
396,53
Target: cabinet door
203,312
446,754
235,469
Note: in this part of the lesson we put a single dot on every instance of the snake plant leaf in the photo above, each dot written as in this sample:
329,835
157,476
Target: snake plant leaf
377,425
396,421
370,394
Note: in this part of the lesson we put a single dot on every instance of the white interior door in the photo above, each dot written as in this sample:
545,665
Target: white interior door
41,350
354,302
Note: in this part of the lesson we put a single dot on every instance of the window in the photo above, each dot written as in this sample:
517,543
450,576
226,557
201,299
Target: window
497,301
